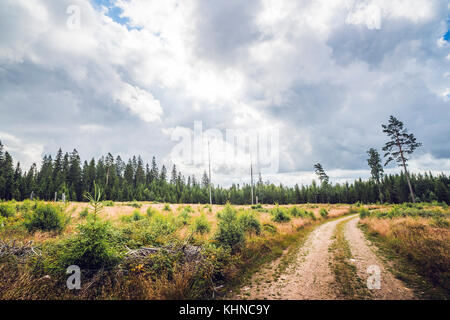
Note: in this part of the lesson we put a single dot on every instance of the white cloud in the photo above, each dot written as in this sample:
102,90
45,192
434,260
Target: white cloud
140,102
372,12
302,67
27,152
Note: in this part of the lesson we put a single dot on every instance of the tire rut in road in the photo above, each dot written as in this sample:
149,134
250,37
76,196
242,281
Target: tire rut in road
364,257
309,275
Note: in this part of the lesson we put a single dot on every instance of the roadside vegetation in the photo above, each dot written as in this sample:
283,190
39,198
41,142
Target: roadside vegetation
415,237
142,250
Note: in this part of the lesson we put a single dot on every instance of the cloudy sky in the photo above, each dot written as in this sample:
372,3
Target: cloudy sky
133,76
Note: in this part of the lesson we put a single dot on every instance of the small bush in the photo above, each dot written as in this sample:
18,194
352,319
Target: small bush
184,217
46,217
201,225
151,212
311,215
27,206
137,215
108,203
323,212
363,212
280,215
249,223
352,210
7,210
296,212
92,247
270,228
187,209
135,205
229,232
167,207
155,231
257,206
84,213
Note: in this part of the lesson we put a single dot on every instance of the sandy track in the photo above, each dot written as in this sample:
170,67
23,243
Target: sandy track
308,277
364,256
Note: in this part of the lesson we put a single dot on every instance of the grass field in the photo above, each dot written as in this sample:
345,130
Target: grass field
143,250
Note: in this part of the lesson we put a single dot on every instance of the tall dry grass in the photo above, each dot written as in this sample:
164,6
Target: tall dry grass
420,241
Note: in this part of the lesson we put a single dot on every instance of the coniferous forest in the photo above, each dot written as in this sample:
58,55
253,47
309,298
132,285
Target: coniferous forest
134,180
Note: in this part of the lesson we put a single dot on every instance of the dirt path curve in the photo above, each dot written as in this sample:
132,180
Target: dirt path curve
364,256
307,277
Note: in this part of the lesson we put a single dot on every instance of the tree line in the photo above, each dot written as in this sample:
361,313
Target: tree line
67,175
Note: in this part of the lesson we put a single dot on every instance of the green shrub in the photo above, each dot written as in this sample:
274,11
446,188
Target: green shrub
363,212
92,247
201,225
209,207
27,206
108,203
270,228
84,213
136,216
352,210
229,231
7,210
311,215
184,217
155,231
257,206
323,212
167,207
280,215
151,212
296,212
249,223
135,205
46,217
187,209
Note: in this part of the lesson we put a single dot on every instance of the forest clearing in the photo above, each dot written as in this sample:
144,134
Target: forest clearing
143,250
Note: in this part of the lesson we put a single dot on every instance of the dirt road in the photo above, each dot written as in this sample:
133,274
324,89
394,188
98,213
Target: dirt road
310,273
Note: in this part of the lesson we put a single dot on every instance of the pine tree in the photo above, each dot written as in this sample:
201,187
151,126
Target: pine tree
74,177
400,145
173,176
376,169
321,173
154,172
140,173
